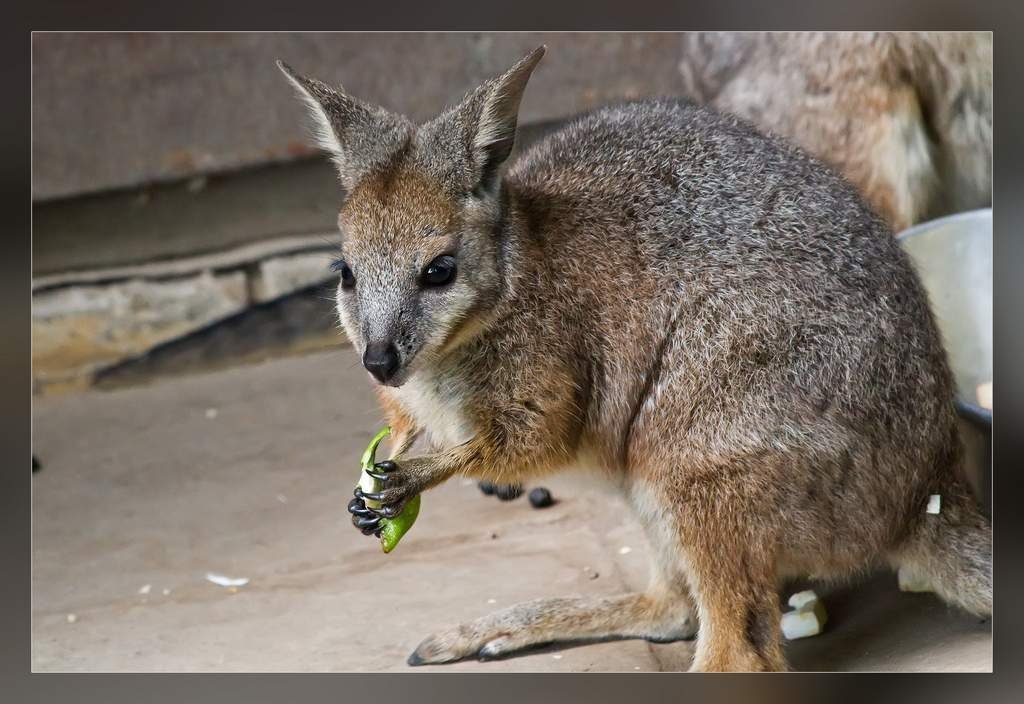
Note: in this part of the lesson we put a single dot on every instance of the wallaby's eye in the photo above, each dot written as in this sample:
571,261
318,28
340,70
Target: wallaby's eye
348,279
439,272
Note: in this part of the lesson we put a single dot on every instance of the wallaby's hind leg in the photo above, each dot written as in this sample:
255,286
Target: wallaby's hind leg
952,551
663,613
732,569
735,587
736,593
655,616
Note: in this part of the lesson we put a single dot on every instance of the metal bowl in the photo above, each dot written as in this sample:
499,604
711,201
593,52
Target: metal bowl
953,257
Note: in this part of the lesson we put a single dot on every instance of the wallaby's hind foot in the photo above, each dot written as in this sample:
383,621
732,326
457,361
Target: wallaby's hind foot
660,619
952,552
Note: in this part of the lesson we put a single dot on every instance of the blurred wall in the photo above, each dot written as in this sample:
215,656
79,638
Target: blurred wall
119,110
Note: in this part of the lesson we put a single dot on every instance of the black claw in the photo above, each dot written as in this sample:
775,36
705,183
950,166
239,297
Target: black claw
360,494
389,511
363,523
357,508
379,476
378,512
386,466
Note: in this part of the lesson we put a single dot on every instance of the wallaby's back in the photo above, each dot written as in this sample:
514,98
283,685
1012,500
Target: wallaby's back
735,280
664,211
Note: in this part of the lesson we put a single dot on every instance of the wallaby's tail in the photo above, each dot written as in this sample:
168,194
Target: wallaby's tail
952,551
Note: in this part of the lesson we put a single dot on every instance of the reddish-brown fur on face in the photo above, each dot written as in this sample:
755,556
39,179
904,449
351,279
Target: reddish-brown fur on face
398,213
394,224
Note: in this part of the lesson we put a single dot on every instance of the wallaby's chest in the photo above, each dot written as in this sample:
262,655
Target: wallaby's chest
438,408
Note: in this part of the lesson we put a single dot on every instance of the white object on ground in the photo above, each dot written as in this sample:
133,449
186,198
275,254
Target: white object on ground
801,599
211,413
223,581
801,624
167,592
985,395
625,550
807,618
934,503
72,618
910,581
144,589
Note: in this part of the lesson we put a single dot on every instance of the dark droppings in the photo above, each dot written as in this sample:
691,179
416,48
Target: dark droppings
508,492
540,498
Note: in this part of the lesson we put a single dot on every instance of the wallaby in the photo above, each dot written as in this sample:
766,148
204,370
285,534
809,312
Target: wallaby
905,116
709,317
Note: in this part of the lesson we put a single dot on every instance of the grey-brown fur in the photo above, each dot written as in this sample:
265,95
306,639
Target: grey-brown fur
708,317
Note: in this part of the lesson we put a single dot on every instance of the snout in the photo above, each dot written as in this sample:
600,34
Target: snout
381,360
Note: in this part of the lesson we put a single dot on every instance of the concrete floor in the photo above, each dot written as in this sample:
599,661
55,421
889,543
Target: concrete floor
246,473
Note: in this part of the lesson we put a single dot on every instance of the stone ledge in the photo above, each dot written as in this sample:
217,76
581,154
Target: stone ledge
76,330
81,330
236,257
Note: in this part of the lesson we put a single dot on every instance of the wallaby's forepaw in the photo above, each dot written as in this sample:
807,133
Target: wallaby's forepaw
363,517
399,484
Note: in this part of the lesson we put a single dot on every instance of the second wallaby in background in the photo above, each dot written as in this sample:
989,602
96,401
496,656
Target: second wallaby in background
905,116
710,318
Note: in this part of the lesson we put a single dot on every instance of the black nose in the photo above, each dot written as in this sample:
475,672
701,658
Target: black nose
381,360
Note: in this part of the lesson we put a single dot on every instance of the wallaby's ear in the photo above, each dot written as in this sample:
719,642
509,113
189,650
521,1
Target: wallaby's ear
484,124
356,135
496,129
